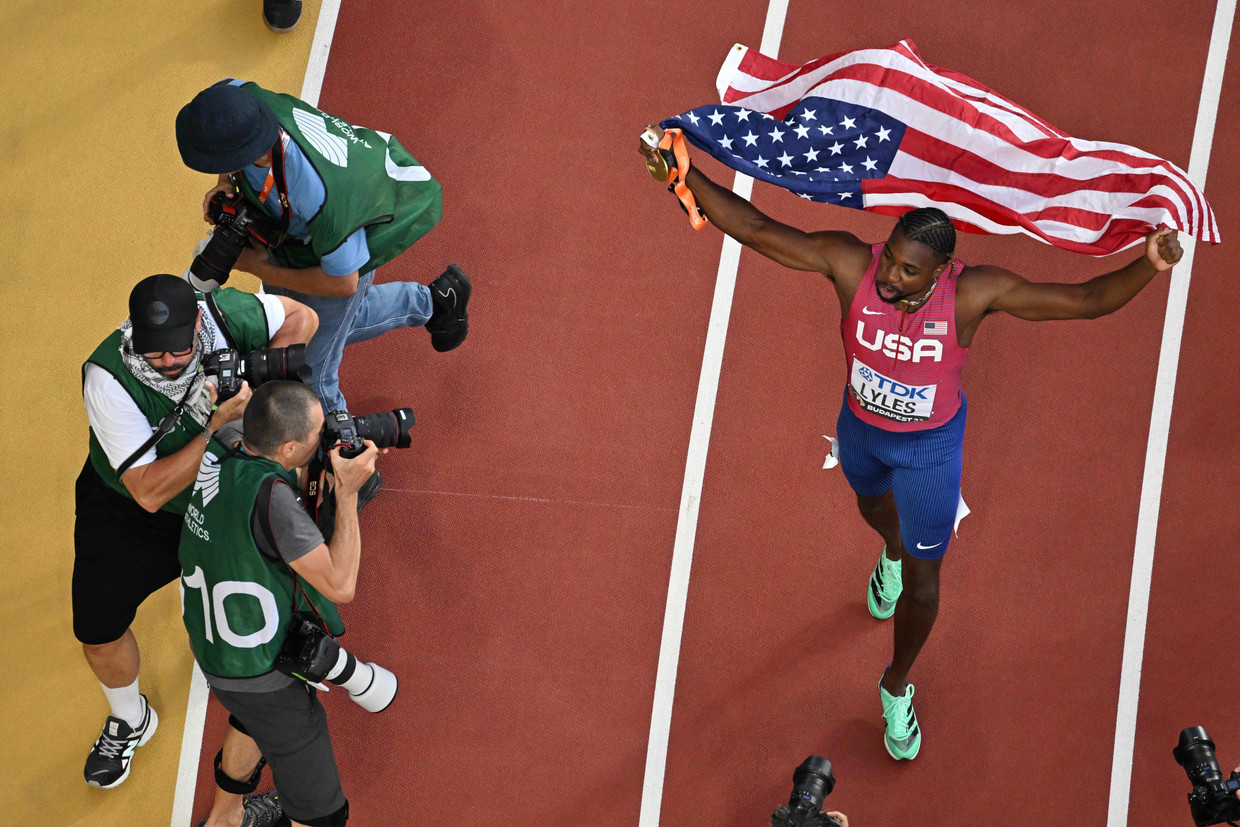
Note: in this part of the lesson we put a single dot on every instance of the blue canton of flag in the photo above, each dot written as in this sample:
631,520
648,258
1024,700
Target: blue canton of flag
821,150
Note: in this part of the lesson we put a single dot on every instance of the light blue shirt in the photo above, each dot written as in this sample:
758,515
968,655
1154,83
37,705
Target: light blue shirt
305,195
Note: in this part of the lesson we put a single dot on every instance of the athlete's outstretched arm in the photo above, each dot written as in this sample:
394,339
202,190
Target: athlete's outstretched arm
818,252
1010,293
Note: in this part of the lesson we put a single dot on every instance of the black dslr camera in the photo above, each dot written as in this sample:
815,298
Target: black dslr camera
389,429
236,222
1213,800
228,369
812,782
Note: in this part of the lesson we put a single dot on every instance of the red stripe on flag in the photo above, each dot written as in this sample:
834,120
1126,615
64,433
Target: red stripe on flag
1047,185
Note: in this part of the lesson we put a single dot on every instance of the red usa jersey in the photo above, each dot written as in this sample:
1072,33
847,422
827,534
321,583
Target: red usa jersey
903,368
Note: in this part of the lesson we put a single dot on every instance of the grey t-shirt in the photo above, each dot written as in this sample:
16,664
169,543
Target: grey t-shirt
295,536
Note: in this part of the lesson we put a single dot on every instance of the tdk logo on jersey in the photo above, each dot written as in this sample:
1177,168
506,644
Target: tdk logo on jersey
902,348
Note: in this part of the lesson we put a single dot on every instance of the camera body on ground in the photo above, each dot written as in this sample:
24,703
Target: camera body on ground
228,369
812,782
389,429
1213,800
236,222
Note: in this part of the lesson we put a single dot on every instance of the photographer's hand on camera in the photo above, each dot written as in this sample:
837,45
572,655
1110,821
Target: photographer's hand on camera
350,474
225,186
838,816
231,409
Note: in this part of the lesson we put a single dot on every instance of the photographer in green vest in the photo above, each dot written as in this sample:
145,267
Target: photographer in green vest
152,411
256,574
323,204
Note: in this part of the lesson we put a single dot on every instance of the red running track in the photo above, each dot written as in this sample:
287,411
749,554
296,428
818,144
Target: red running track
515,569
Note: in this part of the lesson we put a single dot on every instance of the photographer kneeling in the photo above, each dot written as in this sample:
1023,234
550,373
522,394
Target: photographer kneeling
151,410
260,587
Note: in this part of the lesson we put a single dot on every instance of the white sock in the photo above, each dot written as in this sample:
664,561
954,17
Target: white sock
126,703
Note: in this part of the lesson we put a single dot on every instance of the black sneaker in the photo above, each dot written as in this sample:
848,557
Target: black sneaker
281,16
107,766
260,810
449,323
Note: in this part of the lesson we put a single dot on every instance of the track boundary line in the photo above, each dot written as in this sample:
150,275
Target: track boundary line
1160,428
526,499
695,472
199,691
191,747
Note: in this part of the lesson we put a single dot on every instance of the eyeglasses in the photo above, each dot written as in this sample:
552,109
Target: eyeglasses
174,354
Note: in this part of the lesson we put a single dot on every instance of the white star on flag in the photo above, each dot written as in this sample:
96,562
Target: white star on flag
812,155
883,134
776,135
809,115
716,118
785,159
848,123
802,131
742,115
868,164
846,168
725,142
750,139
760,161
860,142
694,118
835,148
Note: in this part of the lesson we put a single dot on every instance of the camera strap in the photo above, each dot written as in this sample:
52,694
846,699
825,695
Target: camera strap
221,321
277,170
162,430
315,473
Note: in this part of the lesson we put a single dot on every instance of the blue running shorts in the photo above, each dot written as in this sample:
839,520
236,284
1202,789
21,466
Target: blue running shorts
922,466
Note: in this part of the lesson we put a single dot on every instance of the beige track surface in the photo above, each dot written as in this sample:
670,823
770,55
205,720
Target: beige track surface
93,198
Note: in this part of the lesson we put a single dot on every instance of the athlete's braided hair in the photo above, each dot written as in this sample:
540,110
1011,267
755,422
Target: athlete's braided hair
931,227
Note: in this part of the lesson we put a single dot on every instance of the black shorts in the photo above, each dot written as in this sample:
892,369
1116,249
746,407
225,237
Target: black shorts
122,554
290,727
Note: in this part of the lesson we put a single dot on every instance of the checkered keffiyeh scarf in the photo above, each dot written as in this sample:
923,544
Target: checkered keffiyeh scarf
198,404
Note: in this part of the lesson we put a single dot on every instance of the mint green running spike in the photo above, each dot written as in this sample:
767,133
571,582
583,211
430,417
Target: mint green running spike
885,586
903,736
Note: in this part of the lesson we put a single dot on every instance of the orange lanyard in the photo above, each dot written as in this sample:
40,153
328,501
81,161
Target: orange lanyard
267,185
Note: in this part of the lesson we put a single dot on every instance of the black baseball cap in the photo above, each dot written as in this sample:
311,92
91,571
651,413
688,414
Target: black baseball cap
224,129
163,310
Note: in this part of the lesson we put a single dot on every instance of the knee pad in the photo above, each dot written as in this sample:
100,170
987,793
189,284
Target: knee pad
231,785
336,819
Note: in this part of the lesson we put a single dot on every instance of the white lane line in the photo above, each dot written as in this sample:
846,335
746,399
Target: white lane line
196,709
191,747
316,66
695,471
1160,426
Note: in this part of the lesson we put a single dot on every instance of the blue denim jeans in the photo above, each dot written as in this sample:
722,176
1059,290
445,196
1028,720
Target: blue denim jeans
370,312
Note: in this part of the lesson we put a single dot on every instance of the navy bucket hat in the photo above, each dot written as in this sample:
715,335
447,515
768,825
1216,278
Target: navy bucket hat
224,129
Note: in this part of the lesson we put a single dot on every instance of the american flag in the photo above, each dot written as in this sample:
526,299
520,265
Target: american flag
883,131
934,329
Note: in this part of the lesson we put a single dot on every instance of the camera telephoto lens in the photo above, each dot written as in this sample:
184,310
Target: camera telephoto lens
812,781
216,260
277,363
386,430
1196,755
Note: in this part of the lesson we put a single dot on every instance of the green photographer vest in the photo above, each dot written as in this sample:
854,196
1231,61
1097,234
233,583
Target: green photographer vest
248,322
235,601
370,180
